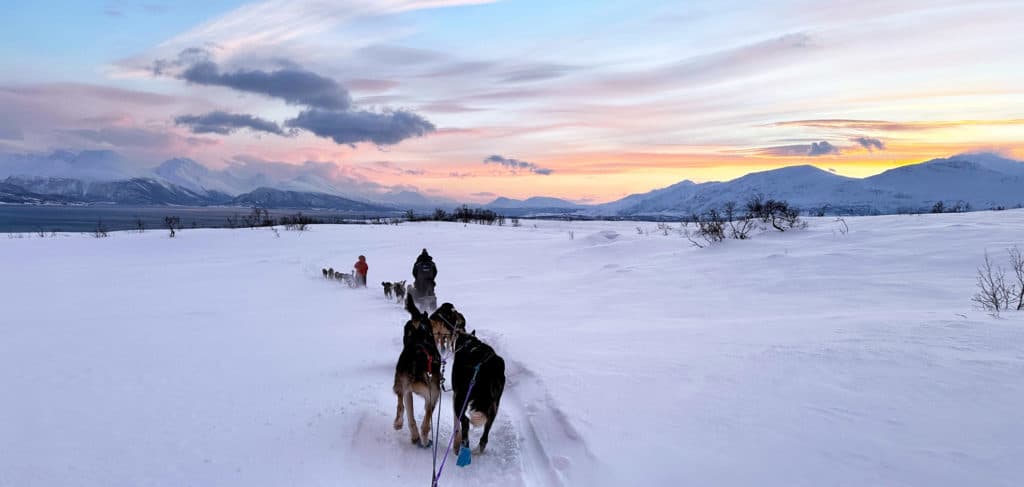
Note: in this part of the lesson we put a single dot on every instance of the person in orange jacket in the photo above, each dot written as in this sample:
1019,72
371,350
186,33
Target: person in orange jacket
361,269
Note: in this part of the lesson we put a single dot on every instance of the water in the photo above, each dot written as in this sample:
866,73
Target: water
84,218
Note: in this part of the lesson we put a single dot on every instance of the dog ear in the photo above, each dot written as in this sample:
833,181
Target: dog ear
473,333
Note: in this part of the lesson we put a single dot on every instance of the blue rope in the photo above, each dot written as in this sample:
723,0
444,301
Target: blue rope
458,424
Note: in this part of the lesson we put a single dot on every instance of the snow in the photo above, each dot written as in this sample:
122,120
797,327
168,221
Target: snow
222,357
983,180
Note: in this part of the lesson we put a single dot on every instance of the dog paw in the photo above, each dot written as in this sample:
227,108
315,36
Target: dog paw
427,444
415,440
398,425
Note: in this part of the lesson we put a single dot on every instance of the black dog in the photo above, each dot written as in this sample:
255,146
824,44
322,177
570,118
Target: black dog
475,363
387,289
418,371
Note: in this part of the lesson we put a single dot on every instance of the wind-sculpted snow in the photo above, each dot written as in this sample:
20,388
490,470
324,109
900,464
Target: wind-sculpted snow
223,357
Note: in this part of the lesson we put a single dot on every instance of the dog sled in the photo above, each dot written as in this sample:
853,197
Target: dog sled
424,297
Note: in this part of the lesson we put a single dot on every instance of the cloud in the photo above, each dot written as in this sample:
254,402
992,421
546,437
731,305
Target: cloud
822,148
352,127
276,22
869,143
78,91
713,67
813,149
536,72
889,126
124,136
484,194
224,123
515,165
399,55
329,112
396,169
366,84
294,85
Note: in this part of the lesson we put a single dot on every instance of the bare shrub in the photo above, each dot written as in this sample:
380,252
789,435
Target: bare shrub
173,224
140,226
297,222
710,228
740,226
994,292
843,227
259,217
778,213
1017,266
101,229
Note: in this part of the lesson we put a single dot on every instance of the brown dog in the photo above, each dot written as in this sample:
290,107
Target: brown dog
399,290
417,372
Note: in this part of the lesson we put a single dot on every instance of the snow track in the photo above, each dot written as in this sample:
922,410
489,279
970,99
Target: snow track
532,444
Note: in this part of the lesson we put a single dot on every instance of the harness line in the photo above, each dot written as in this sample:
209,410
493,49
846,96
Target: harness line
458,419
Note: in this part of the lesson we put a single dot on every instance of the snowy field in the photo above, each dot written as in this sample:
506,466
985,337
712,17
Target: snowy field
222,357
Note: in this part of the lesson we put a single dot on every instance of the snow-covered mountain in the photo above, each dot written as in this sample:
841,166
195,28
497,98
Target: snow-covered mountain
980,180
89,165
71,175
276,198
135,191
200,179
535,202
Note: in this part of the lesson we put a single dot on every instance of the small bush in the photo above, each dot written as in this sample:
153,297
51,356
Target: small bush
173,224
101,229
298,222
996,291
710,228
778,213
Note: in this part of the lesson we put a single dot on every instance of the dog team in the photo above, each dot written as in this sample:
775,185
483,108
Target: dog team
434,336
357,278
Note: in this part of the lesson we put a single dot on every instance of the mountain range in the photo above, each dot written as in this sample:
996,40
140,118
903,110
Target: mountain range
981,180
978,180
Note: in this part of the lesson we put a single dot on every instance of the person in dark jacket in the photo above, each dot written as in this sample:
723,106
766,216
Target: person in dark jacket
424,273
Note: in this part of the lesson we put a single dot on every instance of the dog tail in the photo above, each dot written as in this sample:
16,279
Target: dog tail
410,306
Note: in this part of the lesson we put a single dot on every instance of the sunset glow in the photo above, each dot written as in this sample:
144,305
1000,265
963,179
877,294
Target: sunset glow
592,100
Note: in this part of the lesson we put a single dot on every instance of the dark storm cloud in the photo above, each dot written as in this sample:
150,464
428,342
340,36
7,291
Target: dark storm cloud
294,85
225,123
515,165
352,127
870,143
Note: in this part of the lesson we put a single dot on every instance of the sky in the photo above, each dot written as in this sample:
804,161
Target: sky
586,100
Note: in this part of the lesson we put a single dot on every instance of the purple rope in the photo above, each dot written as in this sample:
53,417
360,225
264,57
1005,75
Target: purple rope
458,424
